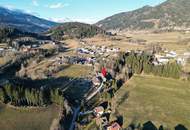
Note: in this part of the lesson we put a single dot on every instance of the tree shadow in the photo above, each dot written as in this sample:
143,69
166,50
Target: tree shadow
161,127
104,104
149,125
73,89
120,120
180,127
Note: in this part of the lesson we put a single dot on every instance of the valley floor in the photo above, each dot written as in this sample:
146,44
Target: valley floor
159,100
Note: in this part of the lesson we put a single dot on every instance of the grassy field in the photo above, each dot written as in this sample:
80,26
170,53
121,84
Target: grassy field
48,46
159,100
3,60
75,71
159,37
176,41
122,44
27,119
6,59
187,67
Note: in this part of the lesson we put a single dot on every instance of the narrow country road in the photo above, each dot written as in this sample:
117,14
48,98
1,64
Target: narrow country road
77,109
75,115
94,93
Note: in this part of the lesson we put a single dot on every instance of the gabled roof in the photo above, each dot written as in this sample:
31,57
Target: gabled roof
114,126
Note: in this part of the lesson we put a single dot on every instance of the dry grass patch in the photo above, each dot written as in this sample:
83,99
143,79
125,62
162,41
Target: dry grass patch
160,100
71,43
48,46
169,40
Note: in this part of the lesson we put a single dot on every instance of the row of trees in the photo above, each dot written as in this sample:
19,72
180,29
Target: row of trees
7,34
125,65
21,96
143,63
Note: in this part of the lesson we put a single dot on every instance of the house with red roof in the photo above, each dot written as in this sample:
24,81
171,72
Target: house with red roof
114,126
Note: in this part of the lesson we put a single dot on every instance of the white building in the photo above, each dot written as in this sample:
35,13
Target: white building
171,54
1,49
163,60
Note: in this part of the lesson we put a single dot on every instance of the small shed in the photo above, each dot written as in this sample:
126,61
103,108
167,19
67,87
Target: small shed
114,126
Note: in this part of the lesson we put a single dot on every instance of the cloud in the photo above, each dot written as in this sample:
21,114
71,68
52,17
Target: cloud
86,20
58,20
9,6
83,20
35,2
58,5
32,13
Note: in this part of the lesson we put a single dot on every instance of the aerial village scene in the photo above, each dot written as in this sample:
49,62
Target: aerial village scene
130,71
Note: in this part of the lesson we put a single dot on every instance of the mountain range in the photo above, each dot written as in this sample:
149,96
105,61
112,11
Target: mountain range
26,22
170,15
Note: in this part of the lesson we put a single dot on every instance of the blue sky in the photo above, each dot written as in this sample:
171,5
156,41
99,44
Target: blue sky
89,11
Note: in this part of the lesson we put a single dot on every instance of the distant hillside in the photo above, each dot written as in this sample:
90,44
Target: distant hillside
75,30
170,15
21,20
7,34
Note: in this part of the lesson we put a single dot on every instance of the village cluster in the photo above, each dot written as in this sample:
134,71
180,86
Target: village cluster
168,56
160,58
95,50
26,45
87,55
65,59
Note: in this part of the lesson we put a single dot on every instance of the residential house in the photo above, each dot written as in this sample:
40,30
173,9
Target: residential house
171,54
159,59
98,111
163,60
114,126
1,49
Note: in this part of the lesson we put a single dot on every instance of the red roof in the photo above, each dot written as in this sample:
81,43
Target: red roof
114,126
104,72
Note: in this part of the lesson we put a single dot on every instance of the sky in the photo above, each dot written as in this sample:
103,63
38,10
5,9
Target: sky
88,11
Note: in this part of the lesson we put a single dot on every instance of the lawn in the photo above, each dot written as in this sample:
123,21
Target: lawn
27,119
159,100
75,71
